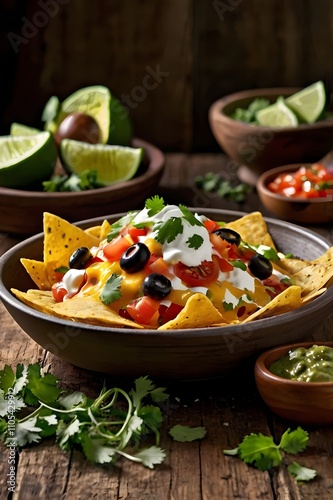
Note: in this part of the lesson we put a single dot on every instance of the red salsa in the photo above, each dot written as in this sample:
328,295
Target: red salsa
313,181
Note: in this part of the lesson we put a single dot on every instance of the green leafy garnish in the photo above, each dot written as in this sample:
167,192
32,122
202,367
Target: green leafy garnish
75,182
191,219
105,429
248,114
263,453
117,226
212,183
239,263
167,231
227,306
184,433
195,241
154,205
268,252
301,473
111,290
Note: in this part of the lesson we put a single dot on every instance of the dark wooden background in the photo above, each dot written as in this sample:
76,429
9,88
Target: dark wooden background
198,50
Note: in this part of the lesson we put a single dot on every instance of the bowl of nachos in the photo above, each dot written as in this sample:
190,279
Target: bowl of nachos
168,291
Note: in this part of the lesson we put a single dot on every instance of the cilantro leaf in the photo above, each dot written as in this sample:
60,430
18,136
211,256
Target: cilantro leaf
294,441
95,449
117,226
195,241
301,473
44,387
213,183
7,378
167,231
184,433
64,432
74,182
143,386
239,263
227,306
154,205
190,217
151,456
27,432
260,450
111,290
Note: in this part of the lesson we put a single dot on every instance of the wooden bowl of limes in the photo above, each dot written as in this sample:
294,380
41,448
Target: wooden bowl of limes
21,209
281,138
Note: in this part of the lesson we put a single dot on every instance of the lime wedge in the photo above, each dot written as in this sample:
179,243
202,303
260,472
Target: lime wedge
277,115
112,163
26,160
308,103
51,113
20,129
111,116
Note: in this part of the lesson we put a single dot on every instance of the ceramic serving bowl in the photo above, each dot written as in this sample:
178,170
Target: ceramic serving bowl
21,212
307,211
258,148
304,402
178,354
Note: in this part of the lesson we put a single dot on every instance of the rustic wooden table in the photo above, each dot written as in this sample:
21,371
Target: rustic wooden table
229,408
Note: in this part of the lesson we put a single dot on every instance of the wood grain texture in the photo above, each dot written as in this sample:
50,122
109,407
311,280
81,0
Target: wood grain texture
204,50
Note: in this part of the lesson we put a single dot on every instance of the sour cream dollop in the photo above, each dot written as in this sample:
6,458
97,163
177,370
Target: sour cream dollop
179,250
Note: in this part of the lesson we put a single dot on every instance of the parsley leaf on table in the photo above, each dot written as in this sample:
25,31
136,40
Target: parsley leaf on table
212,183
184,433
263,453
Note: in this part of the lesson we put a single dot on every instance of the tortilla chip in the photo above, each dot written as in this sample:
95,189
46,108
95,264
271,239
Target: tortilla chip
198,312
105,229
252,229
288,300
37,272
94,231
293,265
60,240
84,309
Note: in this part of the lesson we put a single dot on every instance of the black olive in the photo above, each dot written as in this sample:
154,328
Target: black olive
135,258
229,235
79,258
157,286
260,266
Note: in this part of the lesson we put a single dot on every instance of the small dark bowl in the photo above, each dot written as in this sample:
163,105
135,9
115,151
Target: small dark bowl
21,212
179,354
258,148
303,402
307,211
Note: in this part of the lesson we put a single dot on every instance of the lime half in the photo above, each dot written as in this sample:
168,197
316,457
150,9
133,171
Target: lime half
277,115
19,129
98,102
26,160
308,103
112,163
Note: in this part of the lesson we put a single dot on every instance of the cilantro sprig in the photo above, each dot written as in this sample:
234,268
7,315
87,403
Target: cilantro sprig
33,407
262,452
111,290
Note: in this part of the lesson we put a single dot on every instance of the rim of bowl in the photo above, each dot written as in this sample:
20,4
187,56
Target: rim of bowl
261,367
7,296
156,162
265,177
216,109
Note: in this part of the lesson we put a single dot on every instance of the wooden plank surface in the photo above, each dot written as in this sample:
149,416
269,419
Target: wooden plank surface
229,408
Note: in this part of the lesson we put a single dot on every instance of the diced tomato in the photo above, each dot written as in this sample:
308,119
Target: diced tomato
158,265
124,313
59,291
275,285
136,232
115,249
211,225
167,313
224,265
144,310
220,245
93,260
202,275
306,182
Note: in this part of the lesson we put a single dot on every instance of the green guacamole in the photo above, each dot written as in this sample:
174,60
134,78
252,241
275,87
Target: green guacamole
306,365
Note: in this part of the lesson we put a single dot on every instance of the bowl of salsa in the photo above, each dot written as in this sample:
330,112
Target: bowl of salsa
296,381
299,193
